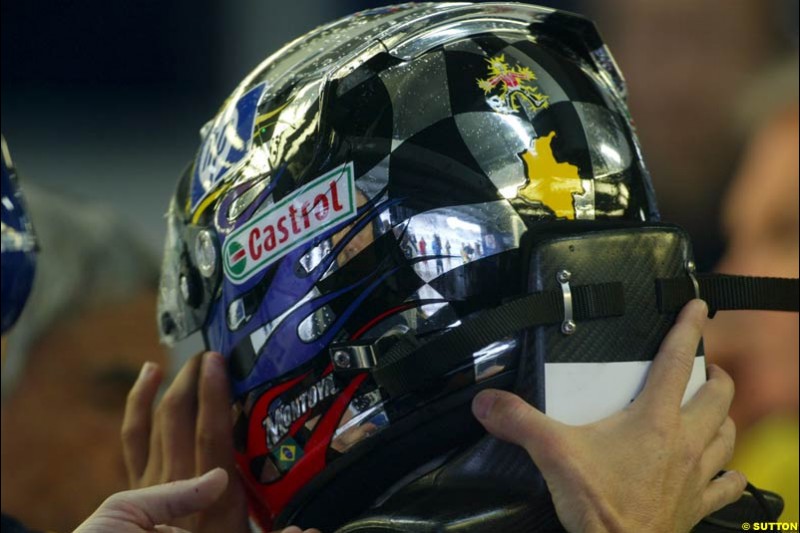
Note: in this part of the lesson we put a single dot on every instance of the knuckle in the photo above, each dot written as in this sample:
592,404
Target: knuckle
728,489
681,359
115,500
161,412
729,449
734,487
729,387
516,410
722,382
666,425
684,356
170,405
728,438
513,415
130,431
512,405
664,433
692,451
127,505
731,428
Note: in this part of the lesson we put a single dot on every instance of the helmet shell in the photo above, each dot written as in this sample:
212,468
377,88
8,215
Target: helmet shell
19,245
372,178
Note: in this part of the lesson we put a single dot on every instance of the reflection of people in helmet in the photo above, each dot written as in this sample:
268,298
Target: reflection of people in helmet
437,251
397,119
359,242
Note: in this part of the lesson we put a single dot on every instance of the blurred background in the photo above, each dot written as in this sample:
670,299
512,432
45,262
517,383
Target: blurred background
102,102
105,100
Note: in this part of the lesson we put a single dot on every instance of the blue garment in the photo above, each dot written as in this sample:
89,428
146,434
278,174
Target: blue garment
10,525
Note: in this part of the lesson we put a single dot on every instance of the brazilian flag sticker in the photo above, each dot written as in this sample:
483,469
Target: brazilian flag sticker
287,454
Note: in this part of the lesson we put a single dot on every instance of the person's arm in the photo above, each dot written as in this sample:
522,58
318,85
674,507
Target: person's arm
651,467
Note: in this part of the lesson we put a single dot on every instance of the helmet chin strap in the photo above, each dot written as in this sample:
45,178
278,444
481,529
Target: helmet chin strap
491,486
409,363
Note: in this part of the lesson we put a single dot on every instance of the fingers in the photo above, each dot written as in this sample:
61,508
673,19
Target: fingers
508,417
164,503
719,451
708,409
672,366
723,490
138,419
214,439
177,413
214,445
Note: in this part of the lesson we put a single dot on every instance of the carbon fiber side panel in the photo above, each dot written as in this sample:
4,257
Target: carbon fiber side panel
635,256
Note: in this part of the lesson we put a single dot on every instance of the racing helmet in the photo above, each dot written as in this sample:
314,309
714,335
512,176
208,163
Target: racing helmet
367,189
19,244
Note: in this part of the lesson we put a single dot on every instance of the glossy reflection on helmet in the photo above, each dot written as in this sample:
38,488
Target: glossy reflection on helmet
19,245
374,178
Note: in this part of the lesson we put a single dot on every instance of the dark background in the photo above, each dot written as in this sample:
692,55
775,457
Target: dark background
104,100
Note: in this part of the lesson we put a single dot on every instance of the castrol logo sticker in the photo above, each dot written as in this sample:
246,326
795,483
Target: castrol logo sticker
289,223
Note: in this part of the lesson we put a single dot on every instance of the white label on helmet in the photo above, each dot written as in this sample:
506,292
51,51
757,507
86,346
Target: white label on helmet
291,222
582,393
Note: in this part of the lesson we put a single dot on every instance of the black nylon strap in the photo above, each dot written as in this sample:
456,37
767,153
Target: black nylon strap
412,363
724,292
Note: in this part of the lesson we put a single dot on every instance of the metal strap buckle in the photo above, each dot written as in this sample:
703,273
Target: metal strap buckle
568,326
691,269
354,357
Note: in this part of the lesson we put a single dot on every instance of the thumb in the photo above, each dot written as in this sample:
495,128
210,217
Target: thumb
508,417
164,503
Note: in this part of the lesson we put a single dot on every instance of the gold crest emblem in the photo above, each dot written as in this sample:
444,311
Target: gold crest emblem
509,89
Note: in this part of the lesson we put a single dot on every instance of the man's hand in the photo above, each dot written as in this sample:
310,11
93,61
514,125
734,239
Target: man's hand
153,508
149,509
189,433
650,467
